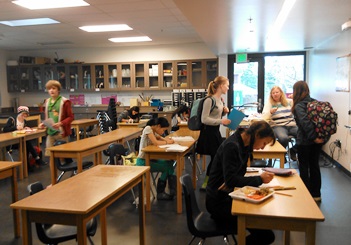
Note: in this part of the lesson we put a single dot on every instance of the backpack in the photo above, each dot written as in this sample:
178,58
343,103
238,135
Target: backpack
324,117
194,122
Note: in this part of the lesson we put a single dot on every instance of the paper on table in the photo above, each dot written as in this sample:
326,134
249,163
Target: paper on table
236,117
274,183
174,147
182,138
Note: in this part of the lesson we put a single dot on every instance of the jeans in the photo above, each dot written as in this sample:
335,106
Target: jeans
309,167
283,133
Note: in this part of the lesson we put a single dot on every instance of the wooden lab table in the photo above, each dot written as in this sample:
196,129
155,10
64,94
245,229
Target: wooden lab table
155,152
298,212
84,123
7,139
271,152
8,169
96,189
89,146
140,124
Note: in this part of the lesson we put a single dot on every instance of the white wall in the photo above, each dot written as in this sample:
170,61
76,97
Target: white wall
104,55
321,79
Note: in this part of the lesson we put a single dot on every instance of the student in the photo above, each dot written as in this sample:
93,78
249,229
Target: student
228,170
181,114
210,138
20,123
152,136
131,115
278,110
308,145
59,110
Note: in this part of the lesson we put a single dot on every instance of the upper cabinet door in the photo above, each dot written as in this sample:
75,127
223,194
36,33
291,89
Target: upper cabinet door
74,77
154,70
197,74
98,77
168,76
112,76
87,79
140,75
182,76
125,76
13,82
211,71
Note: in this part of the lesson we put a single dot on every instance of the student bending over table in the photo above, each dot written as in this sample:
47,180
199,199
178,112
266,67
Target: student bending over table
152,136
131,115
179,115
227,172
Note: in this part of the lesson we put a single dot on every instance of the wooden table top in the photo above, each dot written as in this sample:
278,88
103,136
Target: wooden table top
298,206
180,132
4,165
84,121
88,143
276,148
83,192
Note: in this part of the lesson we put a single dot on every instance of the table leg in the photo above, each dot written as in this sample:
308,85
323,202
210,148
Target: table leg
282,160
79,163
82,231
180,160
16,219
26,229
24,157
142,223
148,204
241,230
310,236
77,132
53,170
103,226
286,237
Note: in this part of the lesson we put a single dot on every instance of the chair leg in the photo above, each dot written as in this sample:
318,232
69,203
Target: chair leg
10,156
90,240
226,241
192,240
234,238
60,176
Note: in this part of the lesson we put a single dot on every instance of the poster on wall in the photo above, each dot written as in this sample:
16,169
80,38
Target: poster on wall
342,83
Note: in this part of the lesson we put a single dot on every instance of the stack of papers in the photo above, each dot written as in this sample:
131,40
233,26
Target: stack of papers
183,138
174,147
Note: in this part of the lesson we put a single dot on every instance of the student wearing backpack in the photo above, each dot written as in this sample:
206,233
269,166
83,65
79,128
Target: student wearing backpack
20,123
210,137
309,146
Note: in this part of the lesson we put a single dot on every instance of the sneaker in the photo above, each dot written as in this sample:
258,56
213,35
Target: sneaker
40,162
164,197
317,199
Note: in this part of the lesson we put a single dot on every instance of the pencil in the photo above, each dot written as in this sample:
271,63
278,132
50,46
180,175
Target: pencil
283,194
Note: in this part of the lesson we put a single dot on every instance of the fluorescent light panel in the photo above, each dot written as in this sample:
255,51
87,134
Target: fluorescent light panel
130,39
106,28
283,14
29,22
50,4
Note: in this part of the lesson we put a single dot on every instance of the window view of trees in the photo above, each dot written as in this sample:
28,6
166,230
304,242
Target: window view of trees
249,87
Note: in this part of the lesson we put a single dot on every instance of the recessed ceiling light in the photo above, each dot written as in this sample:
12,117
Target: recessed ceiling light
29,22
50,4
106,28
130,39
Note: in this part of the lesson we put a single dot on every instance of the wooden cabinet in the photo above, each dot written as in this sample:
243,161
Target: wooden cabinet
122,76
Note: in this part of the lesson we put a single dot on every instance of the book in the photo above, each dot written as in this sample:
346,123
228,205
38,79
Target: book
236,117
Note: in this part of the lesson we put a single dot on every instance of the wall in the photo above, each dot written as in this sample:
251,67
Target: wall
321,79
103,55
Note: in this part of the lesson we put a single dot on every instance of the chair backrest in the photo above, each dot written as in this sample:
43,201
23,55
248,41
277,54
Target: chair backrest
137,143
115,151
57,160
192,208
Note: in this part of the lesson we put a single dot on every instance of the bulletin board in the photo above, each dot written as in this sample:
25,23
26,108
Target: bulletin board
343,65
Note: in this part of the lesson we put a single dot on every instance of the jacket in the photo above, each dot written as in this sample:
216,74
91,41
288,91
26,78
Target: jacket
306,133
66,115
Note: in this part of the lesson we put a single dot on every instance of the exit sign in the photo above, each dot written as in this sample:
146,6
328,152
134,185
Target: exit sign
241,58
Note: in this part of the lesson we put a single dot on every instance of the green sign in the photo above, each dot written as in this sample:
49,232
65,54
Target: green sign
241,58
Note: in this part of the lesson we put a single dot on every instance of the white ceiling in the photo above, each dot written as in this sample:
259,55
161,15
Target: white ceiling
220,24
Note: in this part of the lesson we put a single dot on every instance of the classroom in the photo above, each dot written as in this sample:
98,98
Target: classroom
209,38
